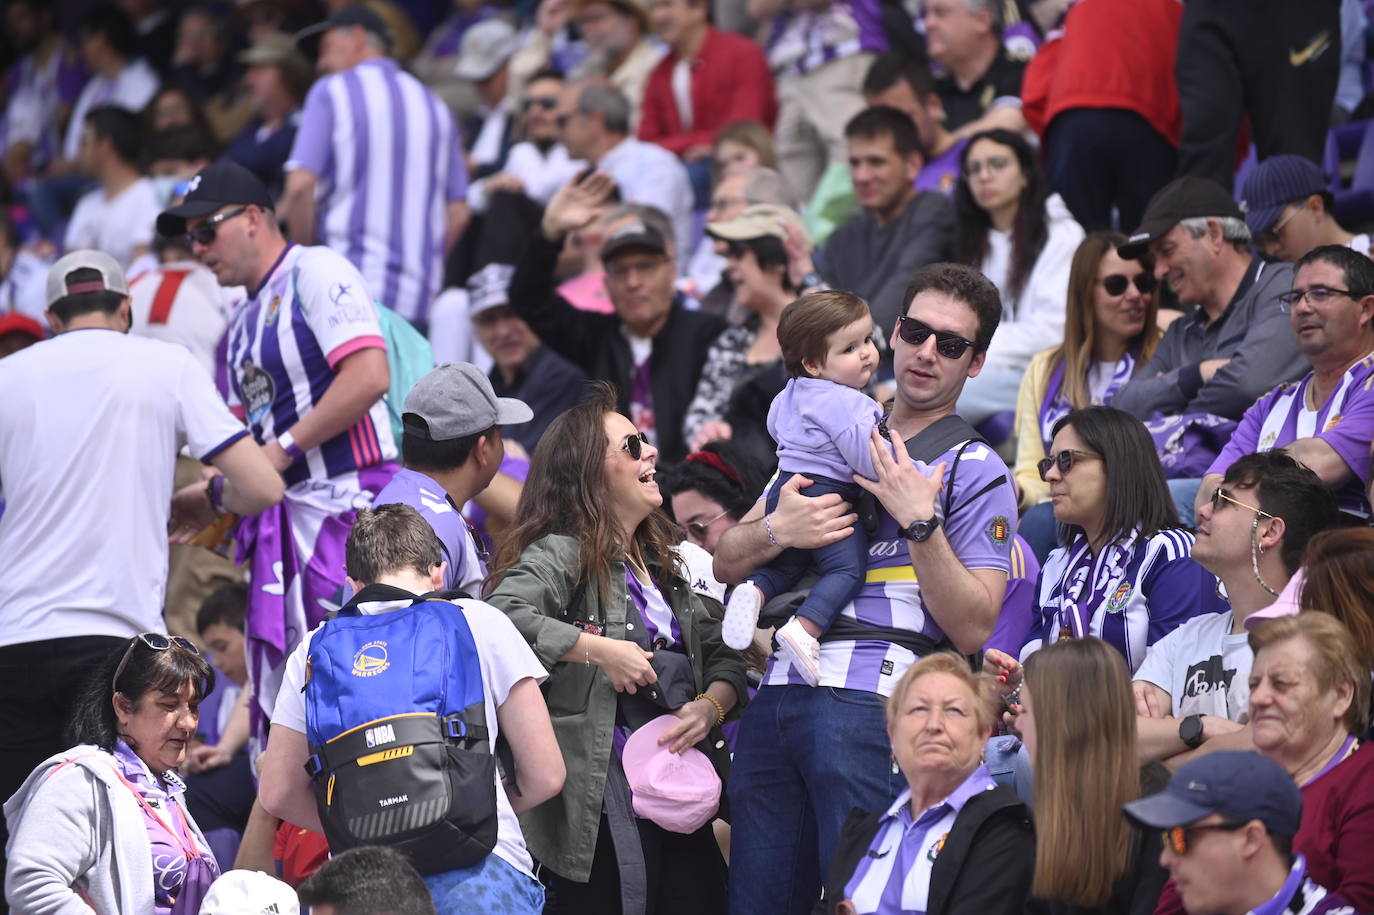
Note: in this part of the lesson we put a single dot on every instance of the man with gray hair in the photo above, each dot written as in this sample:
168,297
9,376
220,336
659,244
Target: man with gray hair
594,120
1235,345
376,172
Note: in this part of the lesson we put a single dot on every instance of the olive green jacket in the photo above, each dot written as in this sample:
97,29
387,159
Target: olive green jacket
561,833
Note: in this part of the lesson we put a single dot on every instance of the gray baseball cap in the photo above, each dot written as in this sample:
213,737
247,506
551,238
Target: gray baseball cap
111,277
456,400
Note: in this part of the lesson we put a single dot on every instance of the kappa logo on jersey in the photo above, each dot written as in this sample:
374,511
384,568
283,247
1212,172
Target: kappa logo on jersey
1117,602
383,733
257,390
370,660
1208,676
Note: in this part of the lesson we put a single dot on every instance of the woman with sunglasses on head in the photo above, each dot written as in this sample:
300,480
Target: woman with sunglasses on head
1077,718
104,826
591,579
1022,237
1110,331
757,264
1124,572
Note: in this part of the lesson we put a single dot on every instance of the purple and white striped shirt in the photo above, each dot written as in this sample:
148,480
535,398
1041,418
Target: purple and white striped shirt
806,41
387,159
894,877
1345,422
285,343
980,532
36,93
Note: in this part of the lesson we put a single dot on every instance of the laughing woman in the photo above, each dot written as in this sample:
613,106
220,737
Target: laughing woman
590,578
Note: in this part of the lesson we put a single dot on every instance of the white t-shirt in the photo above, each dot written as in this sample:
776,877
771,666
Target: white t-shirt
116,225
133,88
1204,668
90,425
181,303
506,660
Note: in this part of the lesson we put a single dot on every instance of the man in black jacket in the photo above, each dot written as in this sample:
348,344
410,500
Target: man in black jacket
652,348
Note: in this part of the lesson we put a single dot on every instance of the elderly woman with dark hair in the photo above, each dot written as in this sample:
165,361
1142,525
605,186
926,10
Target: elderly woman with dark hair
104,826
1124,572
953,841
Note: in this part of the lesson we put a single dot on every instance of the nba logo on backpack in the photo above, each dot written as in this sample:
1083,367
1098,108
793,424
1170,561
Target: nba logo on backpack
398,736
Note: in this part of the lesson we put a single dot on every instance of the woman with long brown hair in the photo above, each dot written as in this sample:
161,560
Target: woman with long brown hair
1078,722
1110,331
591,579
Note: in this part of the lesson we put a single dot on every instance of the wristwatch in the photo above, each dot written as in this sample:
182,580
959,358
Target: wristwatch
810,281
920,531
1190,731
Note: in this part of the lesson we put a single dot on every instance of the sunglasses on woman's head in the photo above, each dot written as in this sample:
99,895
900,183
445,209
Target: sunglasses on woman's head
1116,283
157,642
635,444
1064,460
1179,838
947,344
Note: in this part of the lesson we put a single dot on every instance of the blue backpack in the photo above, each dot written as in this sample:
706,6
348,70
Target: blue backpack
399,747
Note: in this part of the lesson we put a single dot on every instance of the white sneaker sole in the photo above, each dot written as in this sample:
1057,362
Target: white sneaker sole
742,616
801,661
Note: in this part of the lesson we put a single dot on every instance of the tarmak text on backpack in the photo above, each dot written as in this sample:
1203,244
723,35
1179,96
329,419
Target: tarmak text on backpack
399,749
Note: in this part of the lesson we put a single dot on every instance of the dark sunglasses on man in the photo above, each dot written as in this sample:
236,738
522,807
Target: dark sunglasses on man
947,344
547,102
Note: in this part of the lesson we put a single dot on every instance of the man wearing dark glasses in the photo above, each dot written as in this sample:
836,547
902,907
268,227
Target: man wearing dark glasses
1326,420
1234,345
1193,690
1227,823
937,573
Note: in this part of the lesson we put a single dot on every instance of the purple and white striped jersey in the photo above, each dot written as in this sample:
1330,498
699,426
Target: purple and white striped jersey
1345,422
36,93
806,41
387,159
980,532
285,343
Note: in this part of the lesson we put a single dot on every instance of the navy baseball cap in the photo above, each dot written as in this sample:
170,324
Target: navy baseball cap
222,184
1241,786
1183,198
1275,183
359,14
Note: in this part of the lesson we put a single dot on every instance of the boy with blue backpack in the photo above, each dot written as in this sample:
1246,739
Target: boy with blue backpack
395,707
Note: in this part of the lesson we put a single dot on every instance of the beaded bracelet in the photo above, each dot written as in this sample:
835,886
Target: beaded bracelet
720,709
768,527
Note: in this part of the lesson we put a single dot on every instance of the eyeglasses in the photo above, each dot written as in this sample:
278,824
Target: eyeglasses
1218,494
547,102
990,164
698,529
1064,460
635,445
947,344
1116,283
1179,838
1317,295
205,232
1270,236
157,642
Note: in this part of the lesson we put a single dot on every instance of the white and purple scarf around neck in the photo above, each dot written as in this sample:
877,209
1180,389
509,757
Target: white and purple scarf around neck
1056,404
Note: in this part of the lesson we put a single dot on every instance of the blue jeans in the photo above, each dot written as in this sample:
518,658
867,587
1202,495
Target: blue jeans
805,757
842,564
490,885
1040,529
1184,493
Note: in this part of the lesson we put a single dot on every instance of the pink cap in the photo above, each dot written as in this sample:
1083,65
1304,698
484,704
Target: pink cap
1285,605
678,791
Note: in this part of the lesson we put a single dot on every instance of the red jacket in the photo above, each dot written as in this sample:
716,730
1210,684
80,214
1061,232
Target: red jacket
1112,54
730,82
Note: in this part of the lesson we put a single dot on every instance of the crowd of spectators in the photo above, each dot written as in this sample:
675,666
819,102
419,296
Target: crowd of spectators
872,456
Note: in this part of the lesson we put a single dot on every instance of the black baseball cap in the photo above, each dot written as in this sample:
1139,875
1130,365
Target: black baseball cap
1240,785
358,14
222,184
637,235
1183,198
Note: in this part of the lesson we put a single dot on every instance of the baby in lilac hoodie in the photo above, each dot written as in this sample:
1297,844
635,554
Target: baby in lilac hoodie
823,423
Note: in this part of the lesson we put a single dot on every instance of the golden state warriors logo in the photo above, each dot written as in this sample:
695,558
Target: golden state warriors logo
936,848
1117,602
370,660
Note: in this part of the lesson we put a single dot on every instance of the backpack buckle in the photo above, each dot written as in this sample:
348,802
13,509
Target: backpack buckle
314,765
455,728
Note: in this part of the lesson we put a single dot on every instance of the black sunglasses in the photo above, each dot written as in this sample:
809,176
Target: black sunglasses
635,444
547,102
205,232
1116,283
157,642
947,344
1065,460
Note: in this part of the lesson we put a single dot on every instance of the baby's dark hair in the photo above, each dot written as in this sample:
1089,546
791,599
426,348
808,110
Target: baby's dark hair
809,321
